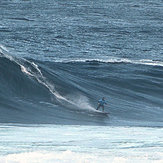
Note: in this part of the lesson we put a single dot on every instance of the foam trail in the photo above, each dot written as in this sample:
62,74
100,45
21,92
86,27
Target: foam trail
40,78
23,69
36,66
2,47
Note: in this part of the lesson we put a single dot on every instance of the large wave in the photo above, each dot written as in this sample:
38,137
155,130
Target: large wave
66,92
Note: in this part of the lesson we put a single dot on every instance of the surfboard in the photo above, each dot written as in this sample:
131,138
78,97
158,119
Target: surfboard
101,112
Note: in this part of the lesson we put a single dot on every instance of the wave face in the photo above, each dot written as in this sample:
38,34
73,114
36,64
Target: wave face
33,91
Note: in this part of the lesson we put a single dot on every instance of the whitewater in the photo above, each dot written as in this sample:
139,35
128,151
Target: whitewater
58,58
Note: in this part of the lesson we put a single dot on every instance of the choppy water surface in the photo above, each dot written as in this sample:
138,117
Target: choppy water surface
58,58
100,29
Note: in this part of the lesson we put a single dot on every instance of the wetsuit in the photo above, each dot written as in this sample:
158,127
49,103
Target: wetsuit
101,103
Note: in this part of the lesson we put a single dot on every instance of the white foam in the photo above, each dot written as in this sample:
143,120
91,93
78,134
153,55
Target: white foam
41,79
116,60
27,70
79,144
36,67
51,157
80,102
72,157
23,69
4,52
105,60
2,47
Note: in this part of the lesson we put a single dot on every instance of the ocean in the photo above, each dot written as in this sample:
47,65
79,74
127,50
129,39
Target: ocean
58,58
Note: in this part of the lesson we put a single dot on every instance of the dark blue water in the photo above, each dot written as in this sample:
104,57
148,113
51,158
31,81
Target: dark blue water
57,58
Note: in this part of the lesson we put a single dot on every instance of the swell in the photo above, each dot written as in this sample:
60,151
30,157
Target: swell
34,91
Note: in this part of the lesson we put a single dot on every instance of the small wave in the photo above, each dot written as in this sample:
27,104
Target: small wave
115,60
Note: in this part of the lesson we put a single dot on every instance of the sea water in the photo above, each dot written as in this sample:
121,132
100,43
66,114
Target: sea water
80,144
58,58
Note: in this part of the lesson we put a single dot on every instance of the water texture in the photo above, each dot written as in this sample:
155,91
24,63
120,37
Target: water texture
59,57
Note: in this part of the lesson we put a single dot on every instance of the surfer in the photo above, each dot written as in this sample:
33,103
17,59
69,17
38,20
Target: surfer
101,103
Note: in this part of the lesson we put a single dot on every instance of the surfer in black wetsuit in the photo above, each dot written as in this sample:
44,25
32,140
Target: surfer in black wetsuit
101,103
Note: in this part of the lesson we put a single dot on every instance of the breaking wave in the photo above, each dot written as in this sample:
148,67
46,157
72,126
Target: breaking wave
66,92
